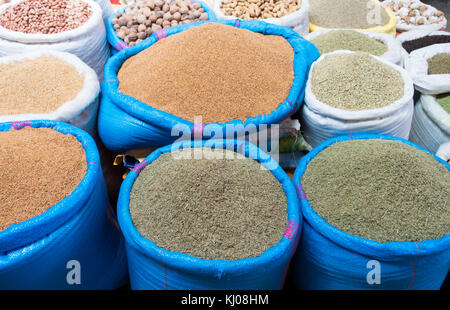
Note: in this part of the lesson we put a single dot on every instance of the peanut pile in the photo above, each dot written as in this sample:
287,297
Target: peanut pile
259,9
414,12
45,16
141,19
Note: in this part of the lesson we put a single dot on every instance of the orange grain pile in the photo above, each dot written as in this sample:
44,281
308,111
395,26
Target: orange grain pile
38,168
215,71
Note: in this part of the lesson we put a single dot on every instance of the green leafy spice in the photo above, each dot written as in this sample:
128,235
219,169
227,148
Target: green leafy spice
356,81
348,40
444,101
209,208
380,190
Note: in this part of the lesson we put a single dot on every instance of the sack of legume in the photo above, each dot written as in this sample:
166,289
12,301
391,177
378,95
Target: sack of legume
429,68
378,44
355,92
223,237
74,26
415,15
190,81
431,122
106,7
138,21
369,15
57,228
375,214
49,85
288,13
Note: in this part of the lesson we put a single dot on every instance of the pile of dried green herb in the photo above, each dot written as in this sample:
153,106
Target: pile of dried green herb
355,81
226,208
444,101
439,64
380,190
348,40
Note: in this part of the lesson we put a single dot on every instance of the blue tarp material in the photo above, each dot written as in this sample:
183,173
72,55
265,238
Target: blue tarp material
118,44
152,267
125,123
328,258
36,254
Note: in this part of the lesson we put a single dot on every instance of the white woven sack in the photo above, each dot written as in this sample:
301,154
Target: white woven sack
81,111
429,27
321,122
416,64
431,124
88,41
298,20
394,48
444,151
106,7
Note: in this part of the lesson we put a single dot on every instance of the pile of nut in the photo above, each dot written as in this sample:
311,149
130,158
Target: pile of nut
259,9
45,16
414,12
141,19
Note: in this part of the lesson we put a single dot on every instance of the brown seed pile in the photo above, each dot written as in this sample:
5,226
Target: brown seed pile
259,9
39,168
38,85
439,64
219,206
140,20
45,16
355,82
381,190
216,71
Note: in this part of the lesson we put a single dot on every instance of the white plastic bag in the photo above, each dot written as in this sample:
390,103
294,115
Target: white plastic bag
298,20
394,48
88,41
106,7
431,124
444,152
81,111
321,122
426,27
416,64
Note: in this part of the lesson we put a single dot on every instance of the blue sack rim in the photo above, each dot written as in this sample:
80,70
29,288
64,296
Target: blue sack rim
114,40
25,233
304,54
363,246
216,267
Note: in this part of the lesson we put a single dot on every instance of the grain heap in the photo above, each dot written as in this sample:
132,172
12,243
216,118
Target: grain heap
222,206
259,9
40,167
439,64
355,81
142,19
45,16
38,85
348,40
381,190
347,14
219,72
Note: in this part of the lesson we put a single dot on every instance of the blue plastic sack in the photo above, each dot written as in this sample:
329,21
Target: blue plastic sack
118,44
39,253
328,258
125,123
152,267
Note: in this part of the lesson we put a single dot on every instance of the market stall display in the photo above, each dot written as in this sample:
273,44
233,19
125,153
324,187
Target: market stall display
355,92
49,85
227,263
404,190
55,210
